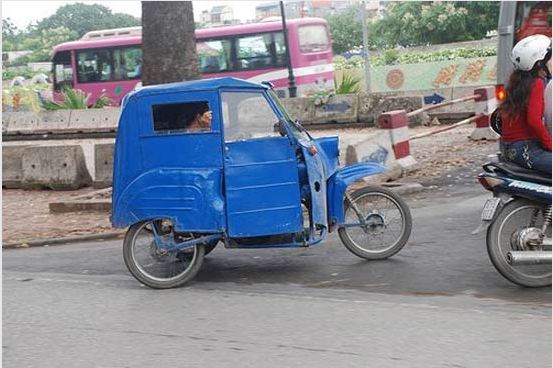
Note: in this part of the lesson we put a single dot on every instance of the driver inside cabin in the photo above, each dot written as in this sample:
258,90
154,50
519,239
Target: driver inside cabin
201,119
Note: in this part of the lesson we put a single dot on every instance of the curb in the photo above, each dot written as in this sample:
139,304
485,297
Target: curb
65,240
396,187
90,205
403,188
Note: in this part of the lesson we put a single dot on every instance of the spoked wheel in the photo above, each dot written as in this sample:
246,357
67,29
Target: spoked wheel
377,223
516,228
155,267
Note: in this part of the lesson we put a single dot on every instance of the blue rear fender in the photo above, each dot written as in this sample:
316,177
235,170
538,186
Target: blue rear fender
338,183
191,198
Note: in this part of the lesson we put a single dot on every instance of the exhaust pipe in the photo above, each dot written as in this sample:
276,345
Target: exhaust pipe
529,258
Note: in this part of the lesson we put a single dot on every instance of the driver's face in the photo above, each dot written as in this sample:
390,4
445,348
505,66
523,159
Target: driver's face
205,120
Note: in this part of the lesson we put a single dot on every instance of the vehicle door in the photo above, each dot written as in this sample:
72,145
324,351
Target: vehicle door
261,174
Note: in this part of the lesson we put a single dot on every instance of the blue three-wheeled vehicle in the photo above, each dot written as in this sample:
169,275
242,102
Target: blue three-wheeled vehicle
220,161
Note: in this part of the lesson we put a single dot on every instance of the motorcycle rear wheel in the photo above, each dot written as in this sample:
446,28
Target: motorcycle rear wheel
512,218
157,268
388,220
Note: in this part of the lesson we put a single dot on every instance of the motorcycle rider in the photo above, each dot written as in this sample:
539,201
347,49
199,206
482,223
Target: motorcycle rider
525,140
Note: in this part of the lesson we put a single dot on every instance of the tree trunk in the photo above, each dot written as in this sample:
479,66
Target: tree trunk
168,42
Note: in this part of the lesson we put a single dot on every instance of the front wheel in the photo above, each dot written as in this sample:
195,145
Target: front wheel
155,267
377,223
510,232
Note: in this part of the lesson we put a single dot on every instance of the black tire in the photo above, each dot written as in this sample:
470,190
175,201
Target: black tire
498,241
150,280
399,241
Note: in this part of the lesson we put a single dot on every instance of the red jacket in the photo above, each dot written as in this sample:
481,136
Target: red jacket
529,126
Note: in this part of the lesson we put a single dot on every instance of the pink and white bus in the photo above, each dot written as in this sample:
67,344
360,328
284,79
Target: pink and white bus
110,62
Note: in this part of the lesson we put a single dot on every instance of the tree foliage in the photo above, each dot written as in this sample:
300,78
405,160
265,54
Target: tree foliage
48,39
82,18
414,23
425,23
8,28
346,31
69,23
11,36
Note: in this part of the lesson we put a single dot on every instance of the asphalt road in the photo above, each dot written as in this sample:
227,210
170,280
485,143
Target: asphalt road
438,303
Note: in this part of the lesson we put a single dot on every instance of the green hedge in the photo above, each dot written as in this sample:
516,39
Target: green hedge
392,57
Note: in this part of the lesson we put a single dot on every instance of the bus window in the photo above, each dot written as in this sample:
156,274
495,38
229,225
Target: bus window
62,70
280,49
313,38
256,52
214,56
94,66
127,63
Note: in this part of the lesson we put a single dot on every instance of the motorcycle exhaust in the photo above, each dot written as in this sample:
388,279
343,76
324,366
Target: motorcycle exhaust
529,258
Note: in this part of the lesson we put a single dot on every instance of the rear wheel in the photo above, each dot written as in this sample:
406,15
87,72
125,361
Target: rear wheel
509,232
377,223
155,267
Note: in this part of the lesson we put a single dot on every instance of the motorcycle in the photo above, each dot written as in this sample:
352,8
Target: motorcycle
519,217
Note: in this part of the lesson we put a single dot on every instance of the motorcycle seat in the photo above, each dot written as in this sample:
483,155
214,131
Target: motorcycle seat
517,172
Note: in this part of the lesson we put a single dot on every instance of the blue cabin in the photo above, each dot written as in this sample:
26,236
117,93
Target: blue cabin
161,170
250,172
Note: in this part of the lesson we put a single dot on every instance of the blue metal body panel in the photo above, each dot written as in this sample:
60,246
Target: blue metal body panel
317,186
190,197
328,149
319,167
262,187
338,183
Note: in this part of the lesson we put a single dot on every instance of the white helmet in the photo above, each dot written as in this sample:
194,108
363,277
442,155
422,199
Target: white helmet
528,51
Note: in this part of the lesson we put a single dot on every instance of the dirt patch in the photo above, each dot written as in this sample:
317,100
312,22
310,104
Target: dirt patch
449,151
26,216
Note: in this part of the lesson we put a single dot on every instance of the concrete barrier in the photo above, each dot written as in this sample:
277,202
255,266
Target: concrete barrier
12,170
485,104
103,165
367,104
54,167
375,148
35,122
407,103
61,121
396,123
19,122
300,108
338,109
94,120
